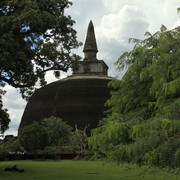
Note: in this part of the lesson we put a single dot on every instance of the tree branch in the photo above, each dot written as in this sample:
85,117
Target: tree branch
12,83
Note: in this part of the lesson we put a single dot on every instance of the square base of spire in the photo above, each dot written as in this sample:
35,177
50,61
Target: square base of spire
98,67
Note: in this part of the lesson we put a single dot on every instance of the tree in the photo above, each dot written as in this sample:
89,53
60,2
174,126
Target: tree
58,131
4,117
36,36
151,84
142,123
33,137
51,134
10,145
79,142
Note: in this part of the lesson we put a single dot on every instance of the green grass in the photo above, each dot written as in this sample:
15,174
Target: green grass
81,170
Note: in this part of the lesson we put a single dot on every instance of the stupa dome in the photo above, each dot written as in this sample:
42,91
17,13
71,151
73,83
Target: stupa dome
78,99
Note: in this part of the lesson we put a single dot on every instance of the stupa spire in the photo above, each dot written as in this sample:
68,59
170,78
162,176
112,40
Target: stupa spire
90,64
90,47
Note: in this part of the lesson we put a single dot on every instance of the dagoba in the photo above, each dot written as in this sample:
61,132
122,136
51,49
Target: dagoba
78,99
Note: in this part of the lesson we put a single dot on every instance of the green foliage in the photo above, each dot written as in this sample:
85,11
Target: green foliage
177,158
58,132
159,145
109,134
4,119
33,137
50,150
78,142
49,135
36,36
4,116
137,131
11,145
143,117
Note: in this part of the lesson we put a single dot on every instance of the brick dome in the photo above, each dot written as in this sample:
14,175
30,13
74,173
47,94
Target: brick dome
77,100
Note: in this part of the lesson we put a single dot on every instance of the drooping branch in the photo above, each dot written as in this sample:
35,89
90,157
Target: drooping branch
12,83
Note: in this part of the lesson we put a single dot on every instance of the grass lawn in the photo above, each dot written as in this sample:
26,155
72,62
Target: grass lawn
81,170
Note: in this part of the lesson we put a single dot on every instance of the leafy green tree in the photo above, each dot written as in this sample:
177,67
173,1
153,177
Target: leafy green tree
151,83
4,116
47,136
142,123
10,145
33,137
58,131
36,36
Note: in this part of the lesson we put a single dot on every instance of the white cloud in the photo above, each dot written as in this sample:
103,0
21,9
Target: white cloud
176,24
13,101
128,22
115,29
157,11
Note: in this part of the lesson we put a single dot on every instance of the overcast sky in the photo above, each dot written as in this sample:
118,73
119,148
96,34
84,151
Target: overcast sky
115,21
